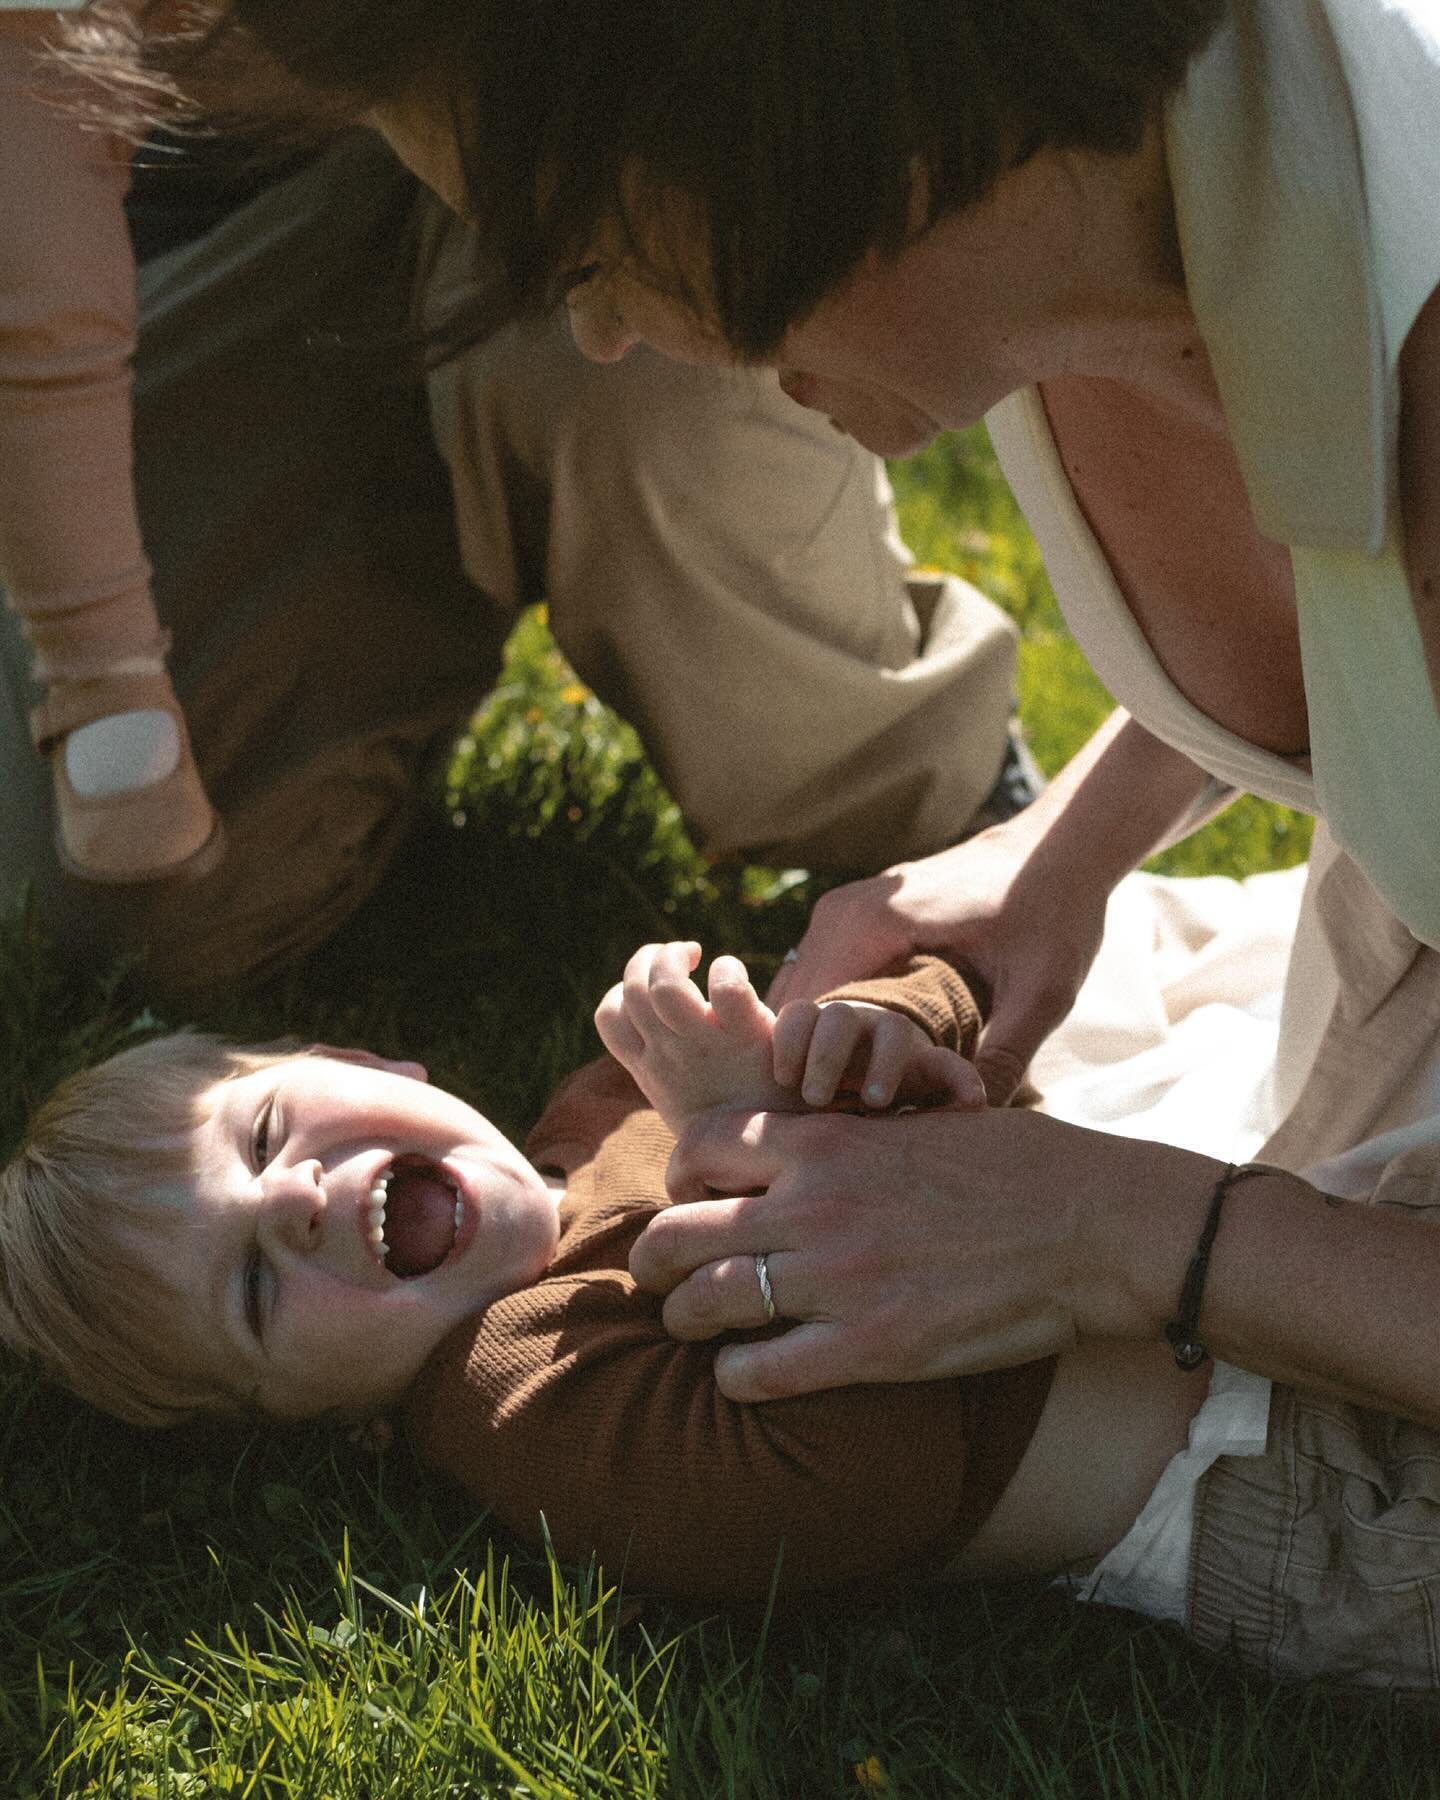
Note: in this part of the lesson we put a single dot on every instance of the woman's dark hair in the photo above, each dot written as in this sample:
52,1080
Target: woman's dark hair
790,129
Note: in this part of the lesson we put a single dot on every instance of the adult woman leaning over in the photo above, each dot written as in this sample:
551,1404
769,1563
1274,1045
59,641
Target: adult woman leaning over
1184,257
1216,358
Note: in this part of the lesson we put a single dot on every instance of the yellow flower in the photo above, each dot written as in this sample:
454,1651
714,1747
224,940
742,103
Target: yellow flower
574,693
871,1776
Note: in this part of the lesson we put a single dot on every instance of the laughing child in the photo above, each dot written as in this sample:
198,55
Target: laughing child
194,1228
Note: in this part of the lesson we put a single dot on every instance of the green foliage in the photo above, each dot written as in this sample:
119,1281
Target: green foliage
298,1615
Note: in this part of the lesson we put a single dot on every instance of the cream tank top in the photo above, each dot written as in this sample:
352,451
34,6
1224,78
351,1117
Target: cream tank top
1304,152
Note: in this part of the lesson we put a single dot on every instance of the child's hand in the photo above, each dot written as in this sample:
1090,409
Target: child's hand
849,1047
686,1053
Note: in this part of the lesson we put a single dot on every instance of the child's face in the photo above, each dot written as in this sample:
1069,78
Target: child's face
286,1291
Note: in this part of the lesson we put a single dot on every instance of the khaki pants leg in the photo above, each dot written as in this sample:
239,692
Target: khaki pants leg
723,567
326,642
1321,1558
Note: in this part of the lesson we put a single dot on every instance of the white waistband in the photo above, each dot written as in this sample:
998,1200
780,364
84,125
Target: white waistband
1148,1570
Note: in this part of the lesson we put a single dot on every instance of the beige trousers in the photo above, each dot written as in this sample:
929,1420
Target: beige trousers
1321,1558
719,565
725,568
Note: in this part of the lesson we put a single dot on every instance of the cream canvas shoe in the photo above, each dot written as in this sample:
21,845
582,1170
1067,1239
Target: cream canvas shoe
166,830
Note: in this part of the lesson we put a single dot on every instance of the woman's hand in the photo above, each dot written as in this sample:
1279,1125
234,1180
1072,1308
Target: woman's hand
1021,906
912,1248
991,907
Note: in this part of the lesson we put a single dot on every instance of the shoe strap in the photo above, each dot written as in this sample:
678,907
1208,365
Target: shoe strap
70,704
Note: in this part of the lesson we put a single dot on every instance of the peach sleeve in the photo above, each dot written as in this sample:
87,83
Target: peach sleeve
70,549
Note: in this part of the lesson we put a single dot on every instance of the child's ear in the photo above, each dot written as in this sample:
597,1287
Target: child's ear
367,1059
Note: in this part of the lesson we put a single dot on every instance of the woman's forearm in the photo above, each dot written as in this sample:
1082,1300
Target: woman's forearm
1120,798
1335,1296
939,1244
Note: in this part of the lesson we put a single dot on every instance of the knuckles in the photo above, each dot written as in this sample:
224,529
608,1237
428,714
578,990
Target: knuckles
758,1378
707,1290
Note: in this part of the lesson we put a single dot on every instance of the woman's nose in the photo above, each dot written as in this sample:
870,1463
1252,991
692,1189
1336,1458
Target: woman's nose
295,1202
598,327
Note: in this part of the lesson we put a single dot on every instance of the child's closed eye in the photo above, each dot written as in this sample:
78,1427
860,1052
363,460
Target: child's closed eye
260,1135
254,1271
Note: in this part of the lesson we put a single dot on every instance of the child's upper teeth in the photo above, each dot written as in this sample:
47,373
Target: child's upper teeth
375,1231
459,1212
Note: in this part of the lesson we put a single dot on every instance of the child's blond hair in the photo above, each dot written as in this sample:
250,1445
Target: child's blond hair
74,1296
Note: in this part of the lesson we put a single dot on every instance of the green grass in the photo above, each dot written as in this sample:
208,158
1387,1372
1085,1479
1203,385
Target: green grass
299,1616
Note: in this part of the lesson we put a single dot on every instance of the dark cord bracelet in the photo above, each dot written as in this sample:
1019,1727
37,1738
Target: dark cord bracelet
1182,1333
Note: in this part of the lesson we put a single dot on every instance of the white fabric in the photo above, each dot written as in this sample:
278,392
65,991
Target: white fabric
1147,1571
1173,1037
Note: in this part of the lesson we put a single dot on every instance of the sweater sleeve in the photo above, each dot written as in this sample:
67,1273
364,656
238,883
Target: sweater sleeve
567,1409
582,1112
70,549
931,992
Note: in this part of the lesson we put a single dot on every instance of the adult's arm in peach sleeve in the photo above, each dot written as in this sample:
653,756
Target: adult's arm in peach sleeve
71,555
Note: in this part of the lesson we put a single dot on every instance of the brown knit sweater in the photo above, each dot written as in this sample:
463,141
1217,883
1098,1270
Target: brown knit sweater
567,1403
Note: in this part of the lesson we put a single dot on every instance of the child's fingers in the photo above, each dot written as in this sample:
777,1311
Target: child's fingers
833,1043
896,1045
739,1010
636,982
635,986
937,1071
617,1033
677,1002
794,1027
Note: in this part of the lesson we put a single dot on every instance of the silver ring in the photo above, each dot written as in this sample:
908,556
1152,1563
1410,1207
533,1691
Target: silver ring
791,955
767,1298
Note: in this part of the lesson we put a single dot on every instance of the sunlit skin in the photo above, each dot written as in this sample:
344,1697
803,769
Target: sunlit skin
276,1292
1069,267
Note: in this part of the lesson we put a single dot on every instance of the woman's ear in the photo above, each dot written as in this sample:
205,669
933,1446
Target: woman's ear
367,1059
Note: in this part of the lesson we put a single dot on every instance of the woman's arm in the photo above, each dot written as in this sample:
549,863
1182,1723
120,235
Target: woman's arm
935,1245
1022,904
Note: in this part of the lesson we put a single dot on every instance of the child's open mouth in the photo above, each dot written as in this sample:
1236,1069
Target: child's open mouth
413,1217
